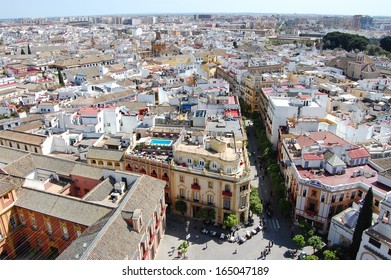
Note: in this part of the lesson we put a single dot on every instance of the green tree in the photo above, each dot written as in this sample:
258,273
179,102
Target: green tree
345,41
364,221
231,220
256,206
22,52
299,241
306,229
311,258
206,214
181,206
60,78
183,248
28,49
385,43
330,255
315,242
285,206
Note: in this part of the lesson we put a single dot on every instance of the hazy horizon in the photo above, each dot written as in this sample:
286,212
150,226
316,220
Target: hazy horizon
73,8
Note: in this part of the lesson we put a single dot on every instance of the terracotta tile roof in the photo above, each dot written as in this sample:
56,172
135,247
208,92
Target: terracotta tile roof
313,156
358,153
106,238
105,154
22,137
63,207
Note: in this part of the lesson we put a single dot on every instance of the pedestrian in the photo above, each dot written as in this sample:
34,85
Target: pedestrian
206,245
272,243
269,243
236,250
261,256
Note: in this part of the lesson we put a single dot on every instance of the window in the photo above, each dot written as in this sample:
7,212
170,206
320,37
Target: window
374,242
376,203
189,161
313,193
352,195
340,197
214,165
210,184
227,204
210,198
6,197
182,193
49,228
195,180
196,196
242,202
65,232
304,192
13,222
181,178
22,220
229,169
333,197
202,163
33,223
359,193
77,190
322,197
227,188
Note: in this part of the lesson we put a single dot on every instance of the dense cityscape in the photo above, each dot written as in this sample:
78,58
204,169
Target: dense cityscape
195,137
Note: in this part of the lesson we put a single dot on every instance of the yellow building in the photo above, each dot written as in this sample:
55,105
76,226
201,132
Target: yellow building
214,174
202,171
106,158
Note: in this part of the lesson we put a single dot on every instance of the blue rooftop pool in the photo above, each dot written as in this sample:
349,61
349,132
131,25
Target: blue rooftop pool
160,142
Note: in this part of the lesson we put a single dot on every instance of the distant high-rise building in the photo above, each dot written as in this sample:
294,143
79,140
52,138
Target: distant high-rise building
202,17
366,22
356,23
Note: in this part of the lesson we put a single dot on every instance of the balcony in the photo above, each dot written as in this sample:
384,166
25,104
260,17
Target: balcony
195,186
165,178
154,175
227,193
310,213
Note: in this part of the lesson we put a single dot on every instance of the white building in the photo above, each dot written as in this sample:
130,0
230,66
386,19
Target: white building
282,108
47,107
375,242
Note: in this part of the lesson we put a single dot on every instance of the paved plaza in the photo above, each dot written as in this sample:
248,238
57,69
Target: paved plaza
207,247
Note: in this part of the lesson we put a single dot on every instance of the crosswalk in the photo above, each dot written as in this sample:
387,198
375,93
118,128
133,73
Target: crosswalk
272,223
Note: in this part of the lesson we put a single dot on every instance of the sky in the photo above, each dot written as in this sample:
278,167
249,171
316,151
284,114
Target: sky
54,8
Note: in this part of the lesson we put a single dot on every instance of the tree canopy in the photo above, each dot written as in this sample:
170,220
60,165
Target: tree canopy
256,206
345,41
385,43
231,220
364,221
181,206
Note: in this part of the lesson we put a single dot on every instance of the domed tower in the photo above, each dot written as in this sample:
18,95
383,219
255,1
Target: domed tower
158,45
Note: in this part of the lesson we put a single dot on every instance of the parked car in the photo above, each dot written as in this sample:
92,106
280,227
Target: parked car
242,239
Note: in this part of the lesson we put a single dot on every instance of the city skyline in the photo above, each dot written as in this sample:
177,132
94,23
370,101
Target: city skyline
24,9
